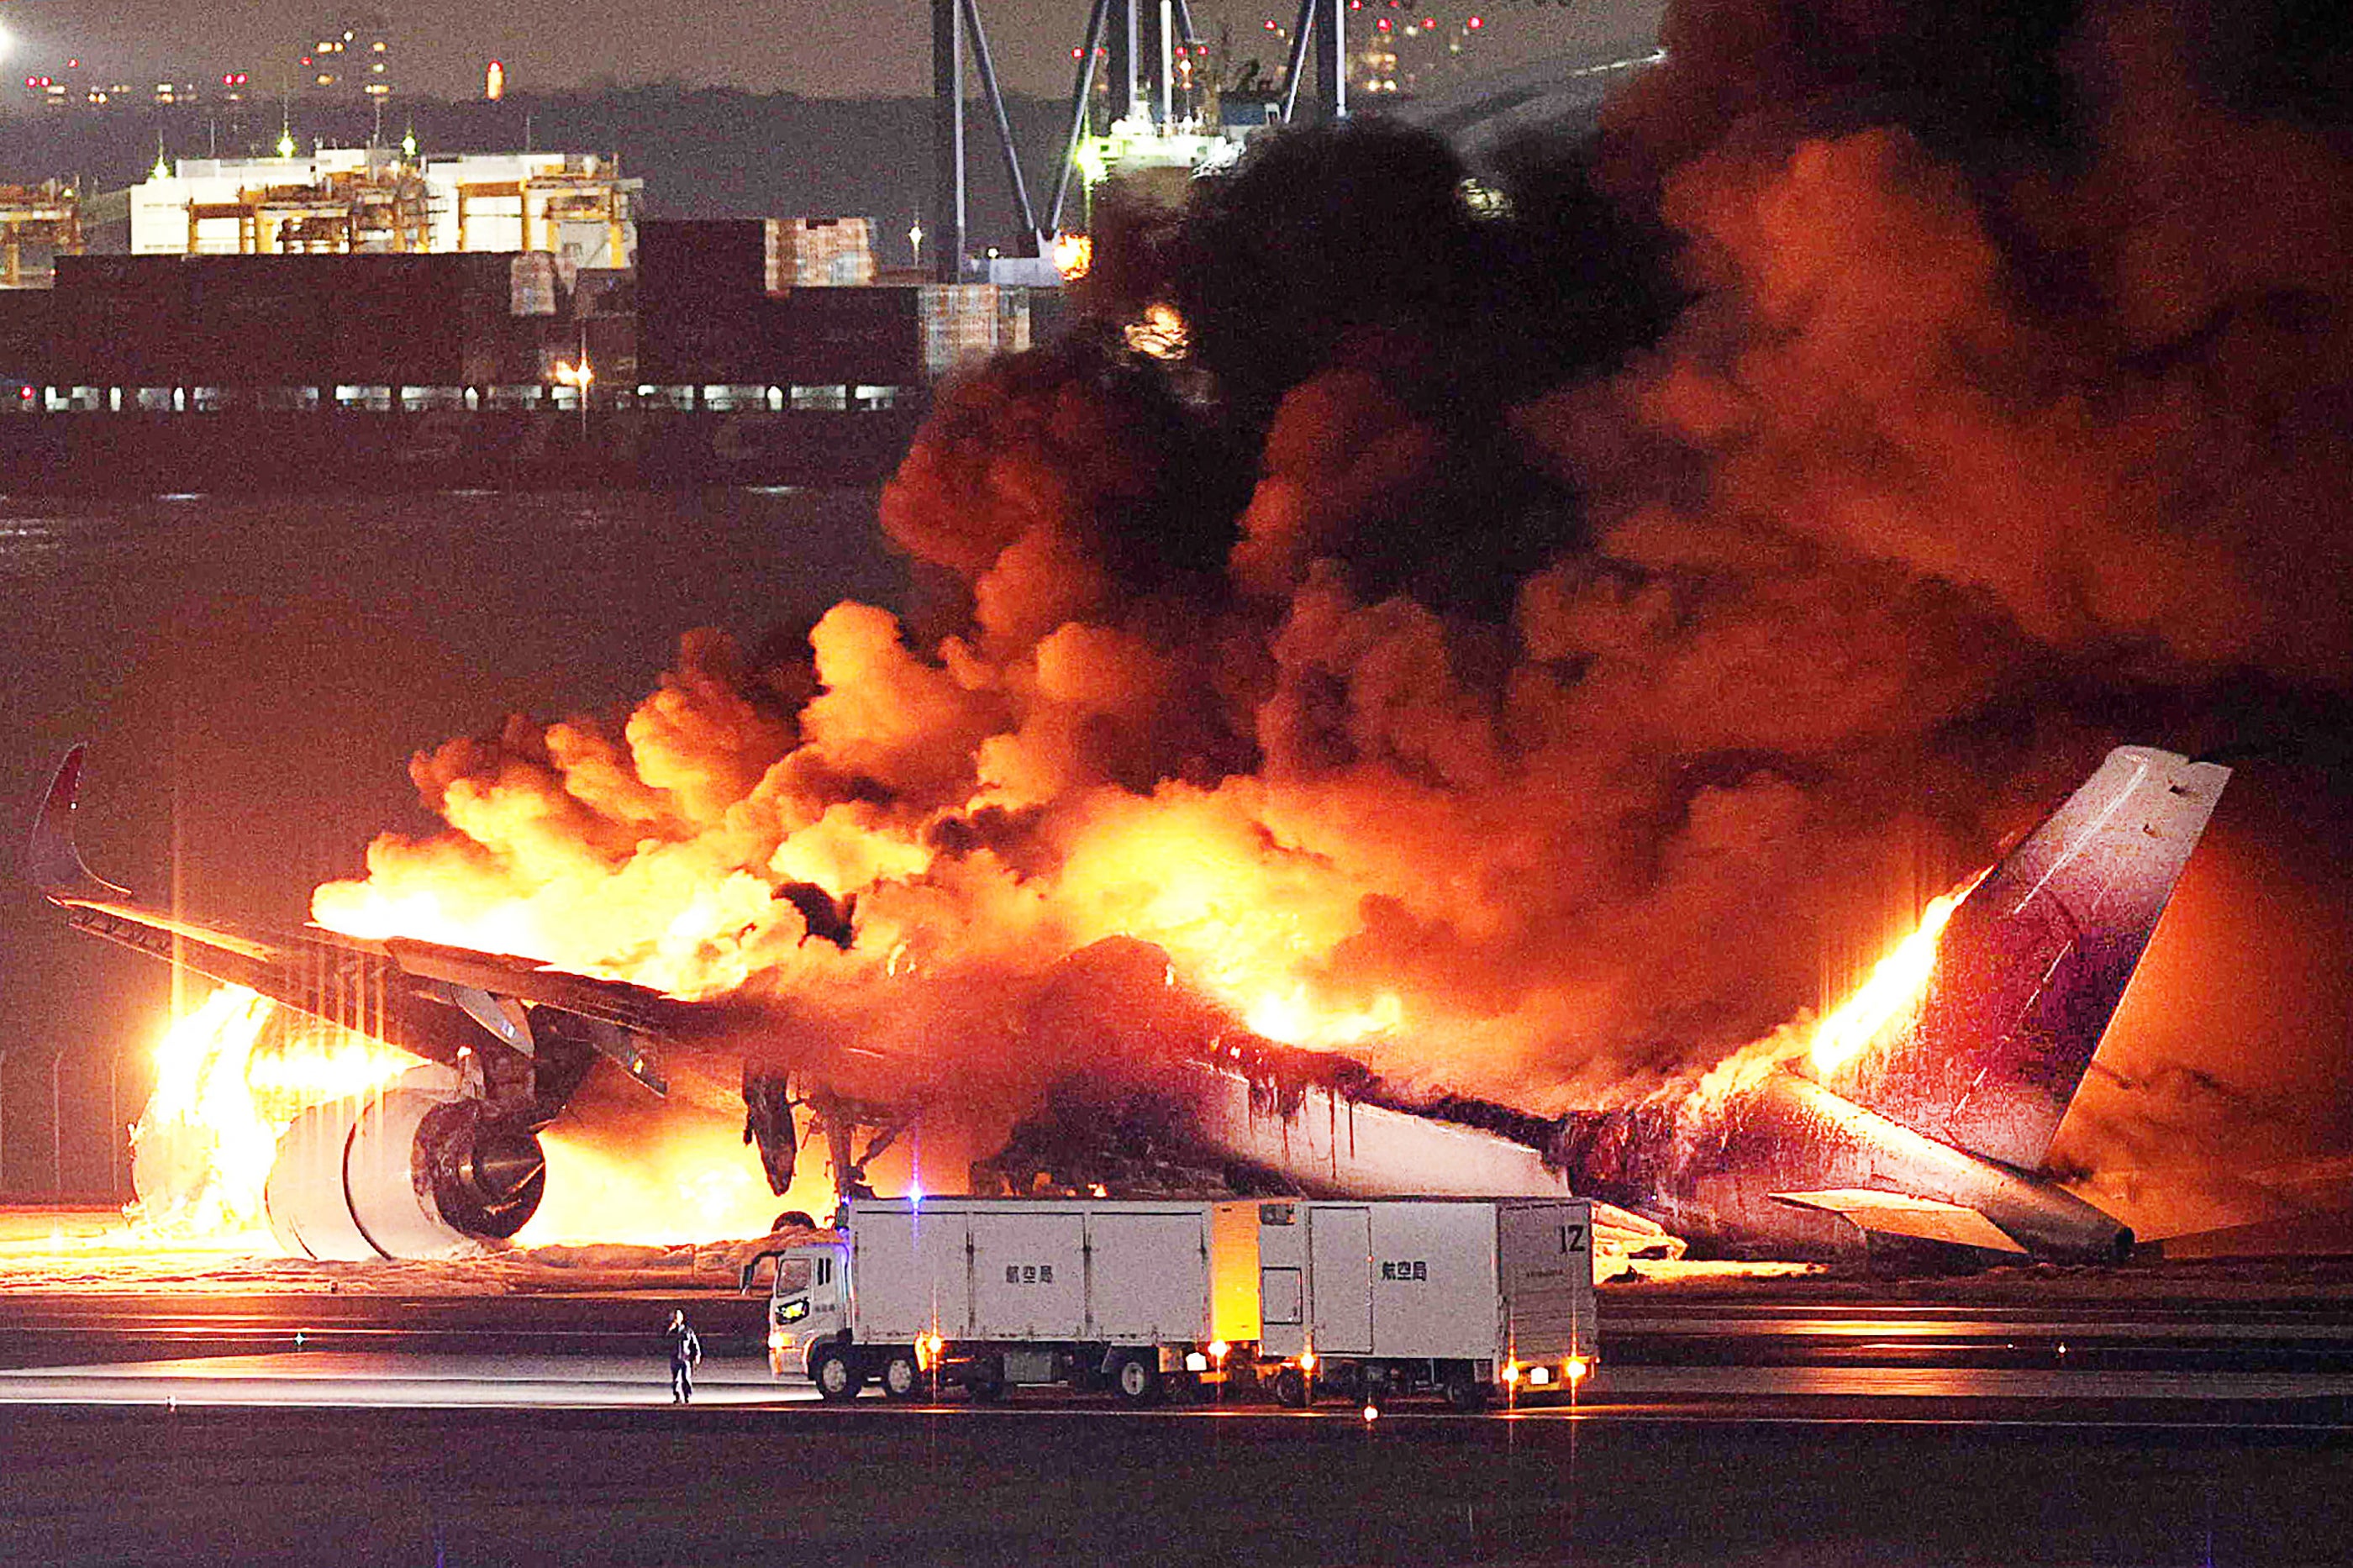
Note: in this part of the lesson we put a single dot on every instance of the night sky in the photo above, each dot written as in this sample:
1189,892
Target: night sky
846,47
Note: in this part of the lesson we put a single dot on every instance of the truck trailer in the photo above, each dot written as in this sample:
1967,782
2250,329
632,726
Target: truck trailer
1467,1297
1463,1296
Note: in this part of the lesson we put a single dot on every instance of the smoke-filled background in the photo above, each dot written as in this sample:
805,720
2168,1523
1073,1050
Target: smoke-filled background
1540,636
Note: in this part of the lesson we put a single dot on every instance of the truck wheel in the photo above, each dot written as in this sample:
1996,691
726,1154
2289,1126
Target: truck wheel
1137,1382
838,1381
901,1378
1465,1392
1291,1388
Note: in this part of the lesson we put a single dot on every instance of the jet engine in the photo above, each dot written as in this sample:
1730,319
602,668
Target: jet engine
416,1172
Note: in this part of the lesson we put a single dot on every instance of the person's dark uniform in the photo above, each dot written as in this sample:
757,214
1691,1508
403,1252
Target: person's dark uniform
685,1355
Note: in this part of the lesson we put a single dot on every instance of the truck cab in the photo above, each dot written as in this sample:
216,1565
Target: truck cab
808,1304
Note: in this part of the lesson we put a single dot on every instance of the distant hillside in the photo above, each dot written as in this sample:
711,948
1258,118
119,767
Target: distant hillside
708,152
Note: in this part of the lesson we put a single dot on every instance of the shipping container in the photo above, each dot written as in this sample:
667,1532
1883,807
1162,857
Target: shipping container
820,252
531,284
685,263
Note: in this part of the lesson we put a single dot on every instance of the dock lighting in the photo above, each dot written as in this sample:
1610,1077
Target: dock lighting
1371,1413
1577,1369
1510,1372
1307,1358
927,1351
1217,1350
408,144
286,143
494,81
580,377
916,239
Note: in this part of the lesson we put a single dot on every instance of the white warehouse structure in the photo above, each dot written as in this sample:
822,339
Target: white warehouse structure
575,207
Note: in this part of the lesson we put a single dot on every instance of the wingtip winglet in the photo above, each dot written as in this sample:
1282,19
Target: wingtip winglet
52,861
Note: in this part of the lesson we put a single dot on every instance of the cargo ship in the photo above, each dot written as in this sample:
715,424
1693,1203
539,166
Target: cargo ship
716,359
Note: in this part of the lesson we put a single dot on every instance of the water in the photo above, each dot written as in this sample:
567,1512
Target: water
253,675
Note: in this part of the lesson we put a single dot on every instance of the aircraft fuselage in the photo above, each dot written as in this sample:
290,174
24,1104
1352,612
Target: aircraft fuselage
1723,1176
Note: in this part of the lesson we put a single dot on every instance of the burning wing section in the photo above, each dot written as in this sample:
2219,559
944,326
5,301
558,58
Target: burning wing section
449,1155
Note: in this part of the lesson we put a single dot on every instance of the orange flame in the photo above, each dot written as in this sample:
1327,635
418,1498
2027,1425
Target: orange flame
696,1184
1895,980
204,1146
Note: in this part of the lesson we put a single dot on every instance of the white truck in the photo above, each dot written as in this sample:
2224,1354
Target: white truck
1465,1296
989,1292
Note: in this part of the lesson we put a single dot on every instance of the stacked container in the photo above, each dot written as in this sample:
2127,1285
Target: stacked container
820,252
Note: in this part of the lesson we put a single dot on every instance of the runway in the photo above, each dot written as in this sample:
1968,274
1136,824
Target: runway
1792,1358
1762,1432
328,1379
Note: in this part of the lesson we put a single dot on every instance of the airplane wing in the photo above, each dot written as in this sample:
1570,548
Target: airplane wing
1898,1214
435,1001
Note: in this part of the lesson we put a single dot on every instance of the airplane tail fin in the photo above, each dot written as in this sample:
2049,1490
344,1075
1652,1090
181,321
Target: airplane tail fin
52,861
2032,965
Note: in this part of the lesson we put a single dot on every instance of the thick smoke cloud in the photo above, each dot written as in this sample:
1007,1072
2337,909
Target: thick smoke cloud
1544,643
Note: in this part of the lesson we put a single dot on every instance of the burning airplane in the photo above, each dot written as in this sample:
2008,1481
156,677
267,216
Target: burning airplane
1921,1112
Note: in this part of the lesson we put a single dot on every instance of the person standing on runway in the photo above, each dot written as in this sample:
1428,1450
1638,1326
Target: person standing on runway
685,1355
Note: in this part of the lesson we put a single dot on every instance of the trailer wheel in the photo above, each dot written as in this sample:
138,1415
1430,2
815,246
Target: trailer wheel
837,1378
1137,1380
901,1378
1465,1392
1291,1388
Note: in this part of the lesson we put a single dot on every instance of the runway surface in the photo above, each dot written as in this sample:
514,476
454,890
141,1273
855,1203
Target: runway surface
1759,1431
1724,1359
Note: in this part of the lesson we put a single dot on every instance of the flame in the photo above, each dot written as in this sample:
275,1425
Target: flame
1073,253
1162,333
1297,1017
1895,980
224,1095
697,1183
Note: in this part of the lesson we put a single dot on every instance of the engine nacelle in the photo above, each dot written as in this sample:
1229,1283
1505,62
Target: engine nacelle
411,1173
